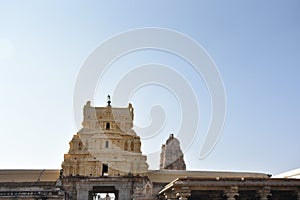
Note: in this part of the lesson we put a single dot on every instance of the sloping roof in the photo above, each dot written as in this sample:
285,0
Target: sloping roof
29,175
170,175
163,176
295,173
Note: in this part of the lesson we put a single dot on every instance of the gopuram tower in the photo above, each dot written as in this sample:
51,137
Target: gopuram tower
171,156
106,145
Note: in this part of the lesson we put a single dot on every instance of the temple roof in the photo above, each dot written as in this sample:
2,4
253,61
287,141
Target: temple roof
163,176
29,175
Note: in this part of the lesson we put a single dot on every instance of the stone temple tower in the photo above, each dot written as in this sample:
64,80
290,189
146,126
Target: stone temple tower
106,145
171,156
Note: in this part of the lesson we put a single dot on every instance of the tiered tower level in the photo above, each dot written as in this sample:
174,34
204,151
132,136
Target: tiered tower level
106,145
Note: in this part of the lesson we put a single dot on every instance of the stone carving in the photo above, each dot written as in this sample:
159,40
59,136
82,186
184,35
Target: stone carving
143,192
232,192
106,145
171,156
264,193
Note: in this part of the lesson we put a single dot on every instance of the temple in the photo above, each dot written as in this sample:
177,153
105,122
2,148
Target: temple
105,161
106,145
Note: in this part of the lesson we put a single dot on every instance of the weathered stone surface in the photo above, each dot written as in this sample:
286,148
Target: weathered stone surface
31,190
124,187
171,156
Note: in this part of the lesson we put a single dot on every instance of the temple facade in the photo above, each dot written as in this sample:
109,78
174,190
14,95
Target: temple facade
106,145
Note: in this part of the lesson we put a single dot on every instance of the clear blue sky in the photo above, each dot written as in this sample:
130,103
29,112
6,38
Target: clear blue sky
255,44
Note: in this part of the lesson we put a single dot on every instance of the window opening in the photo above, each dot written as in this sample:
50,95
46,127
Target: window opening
107,126
104,170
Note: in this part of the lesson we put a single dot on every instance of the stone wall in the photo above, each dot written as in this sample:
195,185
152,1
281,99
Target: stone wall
31,191
124,187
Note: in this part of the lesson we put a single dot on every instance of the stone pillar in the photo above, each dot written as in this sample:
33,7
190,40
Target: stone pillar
298,195
232,192
169,196
183,193
264,193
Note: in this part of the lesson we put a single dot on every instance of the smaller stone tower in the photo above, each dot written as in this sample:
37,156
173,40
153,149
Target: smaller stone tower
171,156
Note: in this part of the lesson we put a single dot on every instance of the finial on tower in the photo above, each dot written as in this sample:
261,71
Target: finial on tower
108,100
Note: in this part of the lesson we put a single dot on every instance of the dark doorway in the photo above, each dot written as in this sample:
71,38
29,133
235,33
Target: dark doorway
103,193
206,195
104,170
247,194
283,195
103,196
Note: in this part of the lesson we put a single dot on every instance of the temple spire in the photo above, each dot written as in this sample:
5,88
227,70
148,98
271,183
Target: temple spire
108,100
171,156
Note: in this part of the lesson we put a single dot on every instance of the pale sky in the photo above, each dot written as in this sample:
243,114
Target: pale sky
254,44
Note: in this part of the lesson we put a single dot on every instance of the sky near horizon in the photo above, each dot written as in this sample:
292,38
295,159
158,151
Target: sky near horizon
254,44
